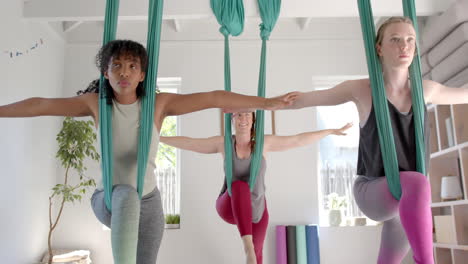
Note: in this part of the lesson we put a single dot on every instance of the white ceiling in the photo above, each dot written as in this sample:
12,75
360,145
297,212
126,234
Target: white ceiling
81,21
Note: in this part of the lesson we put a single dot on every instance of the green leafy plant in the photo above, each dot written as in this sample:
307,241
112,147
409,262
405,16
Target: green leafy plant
167,155
76,143
172,219
336,202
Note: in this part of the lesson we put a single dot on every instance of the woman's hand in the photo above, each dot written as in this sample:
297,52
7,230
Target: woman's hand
282,101
341,131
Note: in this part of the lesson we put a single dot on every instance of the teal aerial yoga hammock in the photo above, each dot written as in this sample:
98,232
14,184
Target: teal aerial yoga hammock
147,101
230,15
379,99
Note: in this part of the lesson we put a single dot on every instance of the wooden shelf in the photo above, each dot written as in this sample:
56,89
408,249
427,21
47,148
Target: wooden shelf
448,150
448,246
449,203
460,112
449,157
443,255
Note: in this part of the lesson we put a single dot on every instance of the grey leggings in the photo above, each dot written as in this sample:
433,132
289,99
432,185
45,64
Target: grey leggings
377,203
151,225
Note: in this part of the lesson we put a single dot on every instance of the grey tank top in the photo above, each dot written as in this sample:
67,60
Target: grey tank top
241,172
125,132
370,162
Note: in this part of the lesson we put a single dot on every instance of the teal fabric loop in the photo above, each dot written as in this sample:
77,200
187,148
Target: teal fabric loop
230,15
269,12
147,101
105,109
125,223
379,99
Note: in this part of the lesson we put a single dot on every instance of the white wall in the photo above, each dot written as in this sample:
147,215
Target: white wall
291,178
27,146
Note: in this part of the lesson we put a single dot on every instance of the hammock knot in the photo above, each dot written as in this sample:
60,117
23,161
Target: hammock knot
224,31
265,32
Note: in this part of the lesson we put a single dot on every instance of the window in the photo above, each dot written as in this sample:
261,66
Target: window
337,155
167,160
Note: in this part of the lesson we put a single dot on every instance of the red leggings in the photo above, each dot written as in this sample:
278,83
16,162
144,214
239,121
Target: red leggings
237,210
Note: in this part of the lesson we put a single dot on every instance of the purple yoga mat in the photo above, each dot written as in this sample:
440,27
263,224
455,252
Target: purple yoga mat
281,246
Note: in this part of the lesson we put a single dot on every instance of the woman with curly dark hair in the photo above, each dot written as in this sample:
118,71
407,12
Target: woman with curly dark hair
123,64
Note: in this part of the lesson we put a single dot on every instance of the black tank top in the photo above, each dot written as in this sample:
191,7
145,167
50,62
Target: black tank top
370,162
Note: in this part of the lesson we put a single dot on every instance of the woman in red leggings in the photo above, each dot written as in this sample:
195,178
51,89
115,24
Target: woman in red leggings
246,209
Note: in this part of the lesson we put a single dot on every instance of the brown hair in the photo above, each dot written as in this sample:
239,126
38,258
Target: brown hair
252,133
391,20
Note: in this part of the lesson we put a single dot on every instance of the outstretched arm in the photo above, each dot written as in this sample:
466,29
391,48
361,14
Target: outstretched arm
282,143
201,145
179,104
339,94
36,106
437,93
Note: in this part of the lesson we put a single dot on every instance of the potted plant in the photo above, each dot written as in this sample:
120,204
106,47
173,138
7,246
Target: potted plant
335,204
76,143
172,221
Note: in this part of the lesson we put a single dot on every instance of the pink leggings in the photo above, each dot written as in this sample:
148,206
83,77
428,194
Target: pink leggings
407,220
237,210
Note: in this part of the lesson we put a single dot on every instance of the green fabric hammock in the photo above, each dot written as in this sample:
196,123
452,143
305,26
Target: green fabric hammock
379,99
230,15
147,101
269,12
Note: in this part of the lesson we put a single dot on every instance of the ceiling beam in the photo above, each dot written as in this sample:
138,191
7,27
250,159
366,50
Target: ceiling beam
304,22
176,25
68,26
55,29
92,10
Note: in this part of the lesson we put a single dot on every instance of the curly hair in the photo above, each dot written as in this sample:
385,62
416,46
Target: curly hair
93,87
116,49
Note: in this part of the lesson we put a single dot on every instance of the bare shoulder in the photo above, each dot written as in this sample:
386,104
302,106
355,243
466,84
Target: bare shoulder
431,90
162,99
160,107
92,101
429,85
268,141
359,89
90,98
360,84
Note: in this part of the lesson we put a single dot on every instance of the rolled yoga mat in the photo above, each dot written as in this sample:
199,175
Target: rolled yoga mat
313,249
291,239
281,247
301,244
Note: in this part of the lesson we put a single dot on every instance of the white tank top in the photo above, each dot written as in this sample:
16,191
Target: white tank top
125,131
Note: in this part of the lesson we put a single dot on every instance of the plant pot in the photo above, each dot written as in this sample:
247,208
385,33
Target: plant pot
172,226
335,217
68,256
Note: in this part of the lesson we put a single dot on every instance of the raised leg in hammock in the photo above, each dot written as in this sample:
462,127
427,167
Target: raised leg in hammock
407,222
